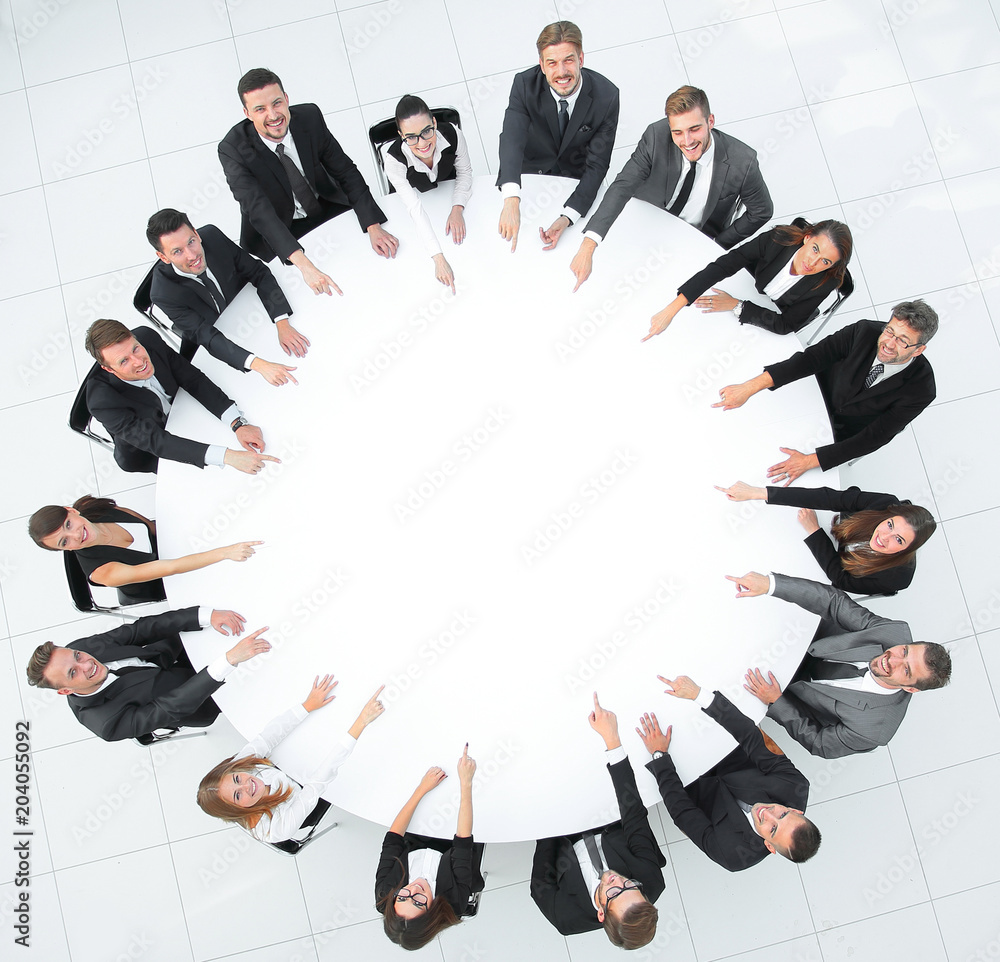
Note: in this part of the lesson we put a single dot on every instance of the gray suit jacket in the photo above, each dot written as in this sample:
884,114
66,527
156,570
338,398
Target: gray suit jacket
828,720
655,166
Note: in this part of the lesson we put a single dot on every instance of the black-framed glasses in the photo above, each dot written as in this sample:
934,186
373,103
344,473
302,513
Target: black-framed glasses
893,336
417,898
426,134
615,890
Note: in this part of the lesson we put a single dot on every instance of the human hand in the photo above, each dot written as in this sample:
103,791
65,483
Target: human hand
652,737
716,301
551,236
510,221
249,647
373,708
291,341
605,723
317,281
466,768
751,585
808,520
455,225
741,491
250,438
658,323
275,374
247,461
321,693
433,777
582,264
767,691
734,396
443,272
240,551
228,622
681,687
795,464
383,243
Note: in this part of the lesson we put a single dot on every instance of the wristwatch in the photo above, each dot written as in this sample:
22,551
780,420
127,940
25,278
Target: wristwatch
240,422
657,755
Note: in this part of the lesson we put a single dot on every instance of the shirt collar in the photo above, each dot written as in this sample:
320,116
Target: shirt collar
571,99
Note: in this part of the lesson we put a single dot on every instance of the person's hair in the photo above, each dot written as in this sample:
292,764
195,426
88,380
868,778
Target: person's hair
212,804
938,663
634,928
858,528
790,235
165,221
48,520
804,842
103,333
415,933
687,98
257,79
37,664
411,105
920,316
562,31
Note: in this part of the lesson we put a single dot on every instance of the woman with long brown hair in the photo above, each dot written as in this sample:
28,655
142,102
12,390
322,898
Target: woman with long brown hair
877,535
423,885
796,265
116,547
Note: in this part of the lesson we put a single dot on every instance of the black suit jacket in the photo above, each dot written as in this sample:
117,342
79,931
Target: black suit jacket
260,185
192,309
655,167
707,811
530,141
765,258
134,417
557,884
862,420
142,701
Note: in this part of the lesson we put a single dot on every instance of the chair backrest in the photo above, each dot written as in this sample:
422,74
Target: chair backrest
80,419
292,846
162,734
381,133
845,290
143,303
79,588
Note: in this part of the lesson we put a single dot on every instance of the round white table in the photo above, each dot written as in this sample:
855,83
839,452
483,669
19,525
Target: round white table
495,503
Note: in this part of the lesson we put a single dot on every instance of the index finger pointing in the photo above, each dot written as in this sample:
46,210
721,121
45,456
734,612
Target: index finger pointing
269,457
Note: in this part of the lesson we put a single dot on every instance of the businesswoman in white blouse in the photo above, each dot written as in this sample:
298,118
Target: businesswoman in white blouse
423,155
248,789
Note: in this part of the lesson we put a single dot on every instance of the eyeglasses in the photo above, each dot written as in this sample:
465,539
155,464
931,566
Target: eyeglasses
426,134
417,898
893,336
612,893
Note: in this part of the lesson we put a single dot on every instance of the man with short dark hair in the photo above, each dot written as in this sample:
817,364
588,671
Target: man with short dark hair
607,876
289,175
132,680
561,119
198,275
853,687
873,379
688,168
133,391
745,808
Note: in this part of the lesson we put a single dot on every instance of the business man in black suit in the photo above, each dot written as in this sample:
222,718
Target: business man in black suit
686,167
132,392
287,185
607,876
197,276
854,686
873,379
745,808
561,119
132,680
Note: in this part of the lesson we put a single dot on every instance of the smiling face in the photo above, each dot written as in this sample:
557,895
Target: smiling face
75,532
411,130
127,360
817,254
898,343
183,249
620,903
776,824
267,109
73,672
561,63
900,667
409,909
241,789
692,132
892,536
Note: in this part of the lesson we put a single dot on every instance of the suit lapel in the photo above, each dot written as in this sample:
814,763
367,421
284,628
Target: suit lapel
269,159
303,146
580,111
720,171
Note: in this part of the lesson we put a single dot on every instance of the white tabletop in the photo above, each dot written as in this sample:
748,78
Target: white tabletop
496,503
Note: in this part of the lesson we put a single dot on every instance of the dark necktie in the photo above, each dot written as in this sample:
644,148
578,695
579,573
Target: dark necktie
213,289
301,190
594,852
821,670
874,374
563,117
117,672
682,198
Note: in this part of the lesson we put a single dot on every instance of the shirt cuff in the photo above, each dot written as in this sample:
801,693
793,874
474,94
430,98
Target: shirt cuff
204,616
230,414
216,455
705,699
594,236
738,310
571,215
220,669
771,583
510,190
281,317
614,755
246,367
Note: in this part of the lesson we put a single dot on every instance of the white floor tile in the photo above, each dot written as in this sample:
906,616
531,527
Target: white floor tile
352,134
27,267
989,648
148,33
875,939
603,25
968,922
250,15
150,921
295,950
935,38
368,941
976,198
163,85
51,34
15,35
952,813
46,941
805,949
860,872
489,97
311,59
21,163
511,38
688,16
969,538
507,863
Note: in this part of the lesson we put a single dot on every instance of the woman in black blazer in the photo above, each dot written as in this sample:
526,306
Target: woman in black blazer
877,535
797,265
414,910
111,555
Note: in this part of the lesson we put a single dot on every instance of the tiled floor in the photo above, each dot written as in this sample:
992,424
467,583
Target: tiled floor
884,114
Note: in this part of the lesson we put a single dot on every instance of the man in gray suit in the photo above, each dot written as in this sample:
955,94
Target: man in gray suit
691,170
854,685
